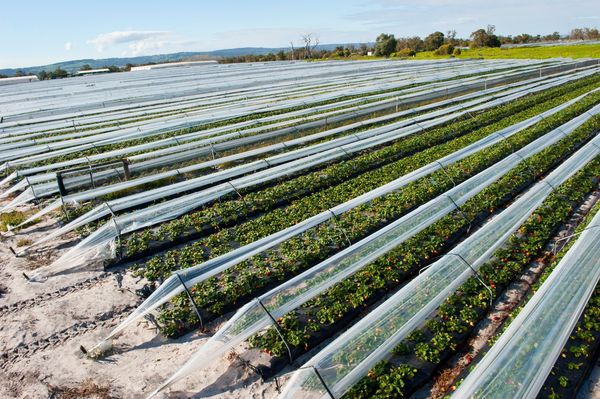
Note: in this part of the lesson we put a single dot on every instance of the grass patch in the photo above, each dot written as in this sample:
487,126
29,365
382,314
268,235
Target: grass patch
11,219
574,51
87,389
22,242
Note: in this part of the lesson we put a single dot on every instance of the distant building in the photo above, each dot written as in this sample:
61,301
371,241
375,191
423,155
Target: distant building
18,79
93,71
171,65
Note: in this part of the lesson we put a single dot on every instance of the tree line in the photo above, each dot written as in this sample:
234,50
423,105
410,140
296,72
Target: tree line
387,45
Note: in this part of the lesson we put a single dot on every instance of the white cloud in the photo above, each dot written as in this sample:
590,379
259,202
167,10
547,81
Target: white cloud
134,43
68,46
139,39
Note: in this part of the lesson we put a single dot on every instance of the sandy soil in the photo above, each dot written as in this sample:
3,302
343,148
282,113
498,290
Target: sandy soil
43,325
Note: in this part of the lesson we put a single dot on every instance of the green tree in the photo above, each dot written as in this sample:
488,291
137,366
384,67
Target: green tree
58,73
554,36
451,37
406,52
338,51
414,43
485,38
434,41
86,67
363,49
577,34
444,49
385,45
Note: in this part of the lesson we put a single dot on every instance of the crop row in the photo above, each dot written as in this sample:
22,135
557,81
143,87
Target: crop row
578,354
273,140
133,142
417,358
314,192
323,315
266,136
77,210
264,271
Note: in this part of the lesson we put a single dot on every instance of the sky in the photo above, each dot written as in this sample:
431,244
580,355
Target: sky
42,32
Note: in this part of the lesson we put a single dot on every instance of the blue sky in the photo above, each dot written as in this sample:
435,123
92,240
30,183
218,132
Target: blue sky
42,32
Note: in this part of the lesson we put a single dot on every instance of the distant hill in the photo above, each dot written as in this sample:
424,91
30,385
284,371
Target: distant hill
75,65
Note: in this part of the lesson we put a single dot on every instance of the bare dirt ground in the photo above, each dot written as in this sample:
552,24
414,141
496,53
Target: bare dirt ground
43,325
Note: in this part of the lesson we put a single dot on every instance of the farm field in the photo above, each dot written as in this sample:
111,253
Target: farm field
345,229
532,52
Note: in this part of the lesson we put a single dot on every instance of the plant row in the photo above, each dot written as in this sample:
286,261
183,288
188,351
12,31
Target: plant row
257,274
204,126
426,348
330,311
579,353
71,212
317,191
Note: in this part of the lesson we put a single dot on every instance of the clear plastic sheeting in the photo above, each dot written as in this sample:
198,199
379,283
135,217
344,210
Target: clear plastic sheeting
204,116
326,78
101,243
335,369
181,148
253,317
117,205
281,300
420,93
519,362
41,190
115,94
189,150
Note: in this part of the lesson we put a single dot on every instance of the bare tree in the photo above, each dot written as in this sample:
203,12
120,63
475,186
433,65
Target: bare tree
451,37
292,52
310,43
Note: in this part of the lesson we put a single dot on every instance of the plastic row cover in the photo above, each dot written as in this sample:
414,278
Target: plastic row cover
252,318
123,203
189,105
45,189
195,135
129,95
337,267
183,105
349,358
154,128
519,362
492,79
37,191
176,141
102,243
384,69
141,94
